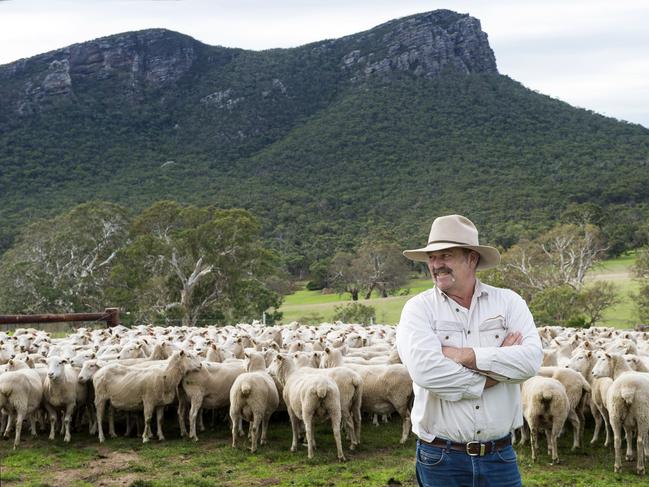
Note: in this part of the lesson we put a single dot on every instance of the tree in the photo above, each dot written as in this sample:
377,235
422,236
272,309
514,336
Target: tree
343,276
64,264
189,263
561,256
381,266
595,298
557,306
354,313
641,272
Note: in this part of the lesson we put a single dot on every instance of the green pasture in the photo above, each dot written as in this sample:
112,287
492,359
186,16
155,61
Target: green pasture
379,461
314,306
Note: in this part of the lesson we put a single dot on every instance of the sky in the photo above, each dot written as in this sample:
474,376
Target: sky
593,54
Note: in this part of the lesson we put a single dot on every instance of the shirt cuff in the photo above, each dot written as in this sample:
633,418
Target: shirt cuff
484,358
475,387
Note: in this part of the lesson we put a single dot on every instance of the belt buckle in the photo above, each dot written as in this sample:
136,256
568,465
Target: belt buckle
480,453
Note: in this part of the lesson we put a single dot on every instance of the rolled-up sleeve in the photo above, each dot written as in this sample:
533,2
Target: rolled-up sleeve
421,353
515,363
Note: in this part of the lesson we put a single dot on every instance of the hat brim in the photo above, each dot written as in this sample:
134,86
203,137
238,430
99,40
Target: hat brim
489,256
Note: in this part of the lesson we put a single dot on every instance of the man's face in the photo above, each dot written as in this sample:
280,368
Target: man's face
451,268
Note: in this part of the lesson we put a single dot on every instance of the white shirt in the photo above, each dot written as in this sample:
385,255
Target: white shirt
450,400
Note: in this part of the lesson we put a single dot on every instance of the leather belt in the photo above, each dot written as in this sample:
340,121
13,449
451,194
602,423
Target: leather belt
472,448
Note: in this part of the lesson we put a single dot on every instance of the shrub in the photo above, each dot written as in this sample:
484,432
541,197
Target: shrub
355,313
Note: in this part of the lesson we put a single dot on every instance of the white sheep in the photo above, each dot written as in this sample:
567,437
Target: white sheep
134,388
545,406
627,401
308,396
386,388
60,393
21,393
253,398
578,391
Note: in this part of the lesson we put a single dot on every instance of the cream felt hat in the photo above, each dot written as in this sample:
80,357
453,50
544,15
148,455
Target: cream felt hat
455,231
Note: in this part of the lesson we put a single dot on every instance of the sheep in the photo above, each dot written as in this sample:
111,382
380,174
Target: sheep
21,394
577,390
627,401
350,386
545,405
60,392
207,388
308,396
386,388
132,388
254,398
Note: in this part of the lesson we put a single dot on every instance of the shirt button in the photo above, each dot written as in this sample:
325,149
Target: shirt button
469,332
457,309
478,431
477,407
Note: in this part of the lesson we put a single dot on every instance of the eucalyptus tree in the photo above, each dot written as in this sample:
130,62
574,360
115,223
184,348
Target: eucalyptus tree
63,264
195,263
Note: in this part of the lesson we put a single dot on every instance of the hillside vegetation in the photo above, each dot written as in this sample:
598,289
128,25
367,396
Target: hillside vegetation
325,153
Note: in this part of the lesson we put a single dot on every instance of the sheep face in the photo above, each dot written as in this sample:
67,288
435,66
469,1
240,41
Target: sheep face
56,367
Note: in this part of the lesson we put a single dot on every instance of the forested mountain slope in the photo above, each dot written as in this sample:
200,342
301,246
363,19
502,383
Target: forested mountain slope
326,142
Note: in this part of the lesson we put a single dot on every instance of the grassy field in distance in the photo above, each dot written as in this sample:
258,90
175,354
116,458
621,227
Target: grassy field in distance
311,306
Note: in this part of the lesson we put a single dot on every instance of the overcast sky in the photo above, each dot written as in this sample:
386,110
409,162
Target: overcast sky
590,53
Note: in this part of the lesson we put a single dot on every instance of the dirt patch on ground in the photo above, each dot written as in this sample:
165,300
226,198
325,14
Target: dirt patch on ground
100,471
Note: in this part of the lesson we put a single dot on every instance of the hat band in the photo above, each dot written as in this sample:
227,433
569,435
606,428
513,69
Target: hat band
451,242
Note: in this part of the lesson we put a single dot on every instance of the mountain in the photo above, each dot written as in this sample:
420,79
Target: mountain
328,142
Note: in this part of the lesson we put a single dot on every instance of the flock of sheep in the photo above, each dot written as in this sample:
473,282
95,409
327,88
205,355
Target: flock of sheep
333,371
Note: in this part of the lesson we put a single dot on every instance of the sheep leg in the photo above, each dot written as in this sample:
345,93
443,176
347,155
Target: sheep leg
234,417
129,425
525,434
628,435
617,442
533,441
201,423
254,430
69,410
335,426
349,429
307,417
576,429
19,427
406,424
193,413
264,429
52,414
597,416
100,405
295,426
182,411
548,441
148,414
111,421
10,420
160,411
640,469
32,424
375,419
554,435
607,425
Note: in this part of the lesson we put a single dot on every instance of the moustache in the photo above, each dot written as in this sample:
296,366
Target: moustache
442,269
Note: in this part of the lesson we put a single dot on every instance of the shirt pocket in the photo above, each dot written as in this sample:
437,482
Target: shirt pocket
450,333
493,331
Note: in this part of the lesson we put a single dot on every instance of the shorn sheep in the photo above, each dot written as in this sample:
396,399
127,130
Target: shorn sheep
545,406
253,398
60,393
21,393
132,388
308,396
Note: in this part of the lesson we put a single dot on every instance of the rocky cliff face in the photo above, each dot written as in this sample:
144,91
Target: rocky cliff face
425,45
153,58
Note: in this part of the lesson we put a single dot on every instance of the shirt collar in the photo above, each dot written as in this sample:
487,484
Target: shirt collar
479,290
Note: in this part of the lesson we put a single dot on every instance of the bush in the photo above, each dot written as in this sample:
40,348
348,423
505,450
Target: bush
355,313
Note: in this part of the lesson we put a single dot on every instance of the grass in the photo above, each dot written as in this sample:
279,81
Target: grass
314,307
379,461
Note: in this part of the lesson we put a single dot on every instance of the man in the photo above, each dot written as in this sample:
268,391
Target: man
467,346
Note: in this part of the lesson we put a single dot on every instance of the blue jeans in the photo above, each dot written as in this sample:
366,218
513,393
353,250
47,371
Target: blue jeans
449,468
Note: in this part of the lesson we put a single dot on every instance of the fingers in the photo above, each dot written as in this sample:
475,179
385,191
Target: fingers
514,338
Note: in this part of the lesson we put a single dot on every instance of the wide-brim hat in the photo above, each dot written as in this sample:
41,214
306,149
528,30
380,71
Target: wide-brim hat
452,231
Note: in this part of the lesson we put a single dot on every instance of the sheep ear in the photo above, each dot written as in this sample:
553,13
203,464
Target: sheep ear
607,355
589,354
92,355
